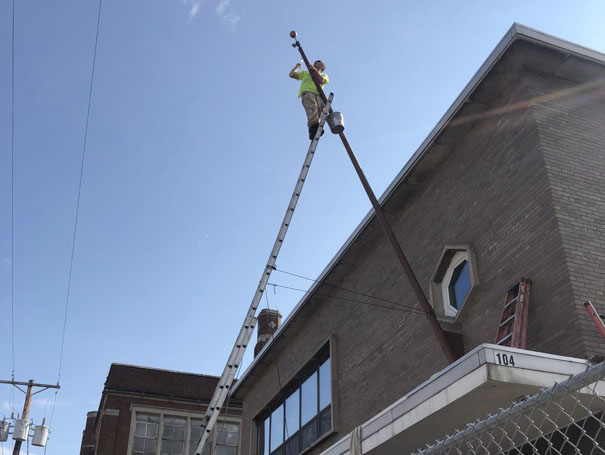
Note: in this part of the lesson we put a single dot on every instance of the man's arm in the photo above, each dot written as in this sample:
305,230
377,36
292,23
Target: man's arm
293,72
318,75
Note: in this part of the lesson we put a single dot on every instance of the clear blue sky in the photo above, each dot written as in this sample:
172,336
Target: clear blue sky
196,137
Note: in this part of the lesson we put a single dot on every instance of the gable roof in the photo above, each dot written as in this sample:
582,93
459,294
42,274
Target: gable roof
566,59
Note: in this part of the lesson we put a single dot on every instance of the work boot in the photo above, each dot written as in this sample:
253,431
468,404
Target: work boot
313,130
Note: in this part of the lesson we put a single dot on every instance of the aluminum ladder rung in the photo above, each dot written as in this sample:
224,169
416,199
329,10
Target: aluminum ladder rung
511,302
505,339
243,338
512,318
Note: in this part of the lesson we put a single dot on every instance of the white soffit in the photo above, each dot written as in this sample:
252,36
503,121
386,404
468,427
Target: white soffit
482,381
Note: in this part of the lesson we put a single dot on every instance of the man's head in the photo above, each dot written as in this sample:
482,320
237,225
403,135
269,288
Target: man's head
319,65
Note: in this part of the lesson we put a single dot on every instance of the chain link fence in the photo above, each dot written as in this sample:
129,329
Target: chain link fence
566,419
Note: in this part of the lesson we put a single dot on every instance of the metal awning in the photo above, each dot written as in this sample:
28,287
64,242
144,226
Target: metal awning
486,379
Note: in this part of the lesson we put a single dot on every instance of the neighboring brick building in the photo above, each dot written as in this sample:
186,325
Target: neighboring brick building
509,184
144,411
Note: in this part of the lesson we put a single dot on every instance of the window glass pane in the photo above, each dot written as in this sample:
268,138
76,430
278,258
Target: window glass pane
152,430
147,418
196,435
138,444
325,421
149,446
277,428
145,434
309,433
232,438
140,429
460,284
225,426
325,396
227,434
309,399
265,442
293,413
173,436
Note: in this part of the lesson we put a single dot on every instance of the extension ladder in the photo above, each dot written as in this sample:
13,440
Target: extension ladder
513,323
237,353
596,317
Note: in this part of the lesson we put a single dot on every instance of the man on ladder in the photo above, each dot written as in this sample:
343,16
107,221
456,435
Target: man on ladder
311,100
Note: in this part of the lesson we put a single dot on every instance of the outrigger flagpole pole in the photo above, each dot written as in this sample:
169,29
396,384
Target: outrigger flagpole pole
437,330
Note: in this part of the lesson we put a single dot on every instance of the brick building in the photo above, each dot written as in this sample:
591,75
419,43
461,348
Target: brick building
509,184
148,411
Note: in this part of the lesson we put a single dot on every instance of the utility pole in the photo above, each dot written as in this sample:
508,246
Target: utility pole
407,269
25,414
28,398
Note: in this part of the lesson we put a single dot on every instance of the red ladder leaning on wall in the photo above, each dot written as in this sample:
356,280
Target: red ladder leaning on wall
513,323
596,317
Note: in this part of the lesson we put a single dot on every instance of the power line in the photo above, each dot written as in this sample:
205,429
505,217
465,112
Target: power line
350,290
398,308
276,366
13,201
75,231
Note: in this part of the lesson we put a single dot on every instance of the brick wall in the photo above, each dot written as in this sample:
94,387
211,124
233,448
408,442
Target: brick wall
570,123
113,426
493,192
162,391
88,435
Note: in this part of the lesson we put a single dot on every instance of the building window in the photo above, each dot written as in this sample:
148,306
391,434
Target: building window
197,428
460,285
302,416
145,434
171,434
227,436
454,282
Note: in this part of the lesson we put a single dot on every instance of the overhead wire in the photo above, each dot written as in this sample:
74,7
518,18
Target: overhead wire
396,308
75,230
13,204
276,366
322,283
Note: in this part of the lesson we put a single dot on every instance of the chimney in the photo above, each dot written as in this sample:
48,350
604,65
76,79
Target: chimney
268,323
88,436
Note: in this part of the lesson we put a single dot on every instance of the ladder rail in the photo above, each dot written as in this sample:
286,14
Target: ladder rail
527,293
596,318
226,380
512,329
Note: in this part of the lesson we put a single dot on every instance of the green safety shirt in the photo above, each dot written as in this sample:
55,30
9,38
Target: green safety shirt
307,84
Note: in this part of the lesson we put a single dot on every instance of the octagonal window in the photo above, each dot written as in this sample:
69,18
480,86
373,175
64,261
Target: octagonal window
454,281
459,285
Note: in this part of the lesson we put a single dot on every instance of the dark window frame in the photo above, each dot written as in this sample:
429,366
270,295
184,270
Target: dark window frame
312,366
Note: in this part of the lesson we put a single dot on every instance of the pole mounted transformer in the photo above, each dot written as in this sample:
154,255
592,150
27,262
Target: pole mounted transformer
21,428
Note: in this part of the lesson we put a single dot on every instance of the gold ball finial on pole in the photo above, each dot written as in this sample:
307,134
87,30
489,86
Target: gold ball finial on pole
293,34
